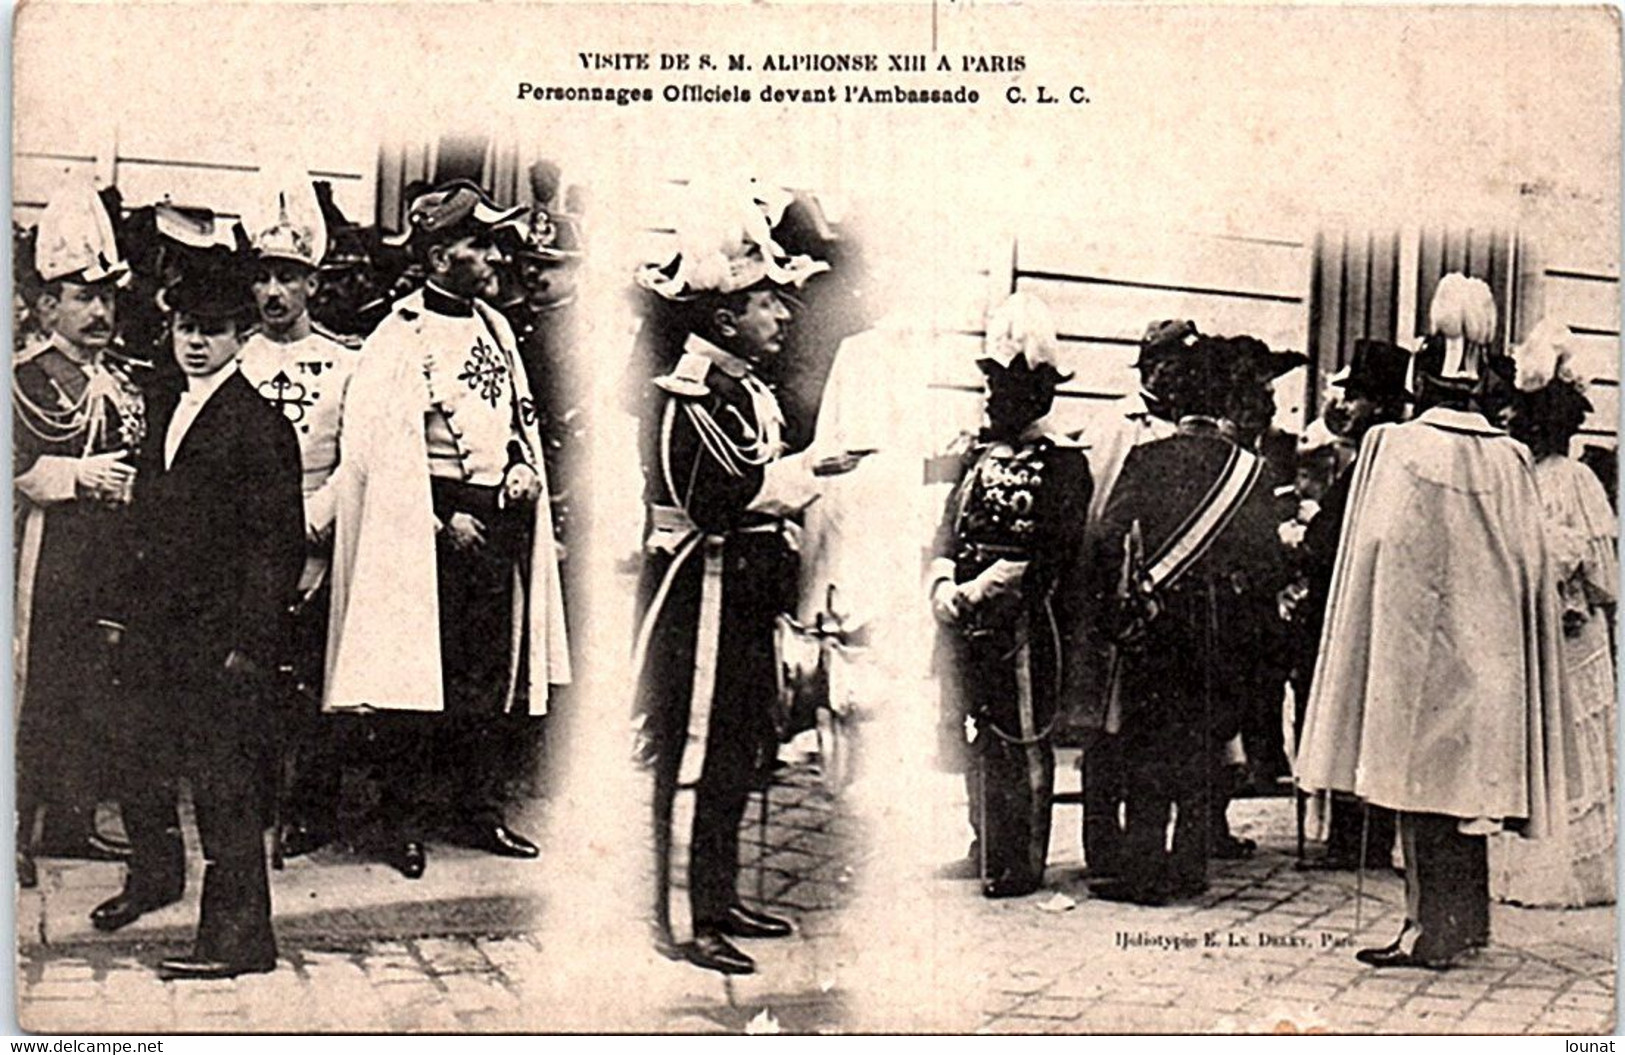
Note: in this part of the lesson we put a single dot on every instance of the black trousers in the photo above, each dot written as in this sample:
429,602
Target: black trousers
1104,788
1010,787
481,741
61,732
1343,831
467,760
1447,889
1160,772
720,797
740,732
212,736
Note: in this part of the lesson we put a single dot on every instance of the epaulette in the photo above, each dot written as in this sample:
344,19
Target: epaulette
687,378
29,352
343,340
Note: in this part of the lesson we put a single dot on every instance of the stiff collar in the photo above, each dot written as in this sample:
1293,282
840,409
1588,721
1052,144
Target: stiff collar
439,301
199,389
727,362
1452,420
1143,404
1203,425
73,354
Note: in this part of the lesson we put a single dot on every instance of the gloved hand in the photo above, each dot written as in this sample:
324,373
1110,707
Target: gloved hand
104,477
946,604
464,531
999,580
521,484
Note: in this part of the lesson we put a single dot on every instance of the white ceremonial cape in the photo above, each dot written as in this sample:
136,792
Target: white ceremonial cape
1439,682
383,646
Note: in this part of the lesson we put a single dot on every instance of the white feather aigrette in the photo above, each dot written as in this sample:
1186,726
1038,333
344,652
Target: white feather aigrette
1463,313
1544,355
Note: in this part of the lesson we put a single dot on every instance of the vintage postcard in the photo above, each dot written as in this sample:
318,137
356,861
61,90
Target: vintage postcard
918,517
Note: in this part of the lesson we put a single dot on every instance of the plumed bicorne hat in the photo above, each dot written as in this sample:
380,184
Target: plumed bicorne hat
725,245
76,242
1020,342
453,210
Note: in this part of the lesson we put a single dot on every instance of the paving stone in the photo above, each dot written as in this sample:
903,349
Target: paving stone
1021,970
1050,1007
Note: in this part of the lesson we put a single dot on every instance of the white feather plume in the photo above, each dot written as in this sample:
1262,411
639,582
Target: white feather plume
1021,326
1543,355
1463,307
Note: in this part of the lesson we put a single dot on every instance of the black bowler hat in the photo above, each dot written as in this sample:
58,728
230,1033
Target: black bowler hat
213,284
1377,370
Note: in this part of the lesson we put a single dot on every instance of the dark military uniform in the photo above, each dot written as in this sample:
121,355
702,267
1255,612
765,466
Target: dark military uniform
1023,502
717,571
67,545
1180,679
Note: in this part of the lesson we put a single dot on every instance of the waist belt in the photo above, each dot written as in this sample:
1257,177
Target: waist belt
670,526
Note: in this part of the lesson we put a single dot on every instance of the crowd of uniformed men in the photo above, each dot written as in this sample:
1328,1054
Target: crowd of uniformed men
233,519
1148,589
289,504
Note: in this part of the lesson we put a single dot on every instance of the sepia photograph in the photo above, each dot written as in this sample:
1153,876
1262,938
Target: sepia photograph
828,518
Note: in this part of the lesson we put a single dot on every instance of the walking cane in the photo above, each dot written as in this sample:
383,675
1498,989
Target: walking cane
1359,866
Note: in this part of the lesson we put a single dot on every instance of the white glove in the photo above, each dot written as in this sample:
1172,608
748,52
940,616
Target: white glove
1000,579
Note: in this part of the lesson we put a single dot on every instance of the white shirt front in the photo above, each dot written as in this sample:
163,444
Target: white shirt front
198,391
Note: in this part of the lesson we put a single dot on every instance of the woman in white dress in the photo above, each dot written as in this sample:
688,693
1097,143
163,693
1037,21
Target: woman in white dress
1576,867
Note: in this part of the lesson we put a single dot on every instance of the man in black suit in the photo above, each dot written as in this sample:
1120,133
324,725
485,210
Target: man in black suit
219,528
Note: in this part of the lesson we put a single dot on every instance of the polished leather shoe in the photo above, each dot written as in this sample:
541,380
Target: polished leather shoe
1005,886
90,847
713,952
1231,848
409,859
195,967
741,922
27,874
124,909
299,839
500,840
1392,956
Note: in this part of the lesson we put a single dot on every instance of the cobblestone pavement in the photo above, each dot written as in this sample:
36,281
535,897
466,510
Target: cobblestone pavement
1268,949
465,949
469,948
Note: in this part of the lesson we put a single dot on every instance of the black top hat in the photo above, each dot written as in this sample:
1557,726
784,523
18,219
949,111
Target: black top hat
1377,370
213,284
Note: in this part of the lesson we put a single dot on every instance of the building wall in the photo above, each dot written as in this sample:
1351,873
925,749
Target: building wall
149,172
1103,288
